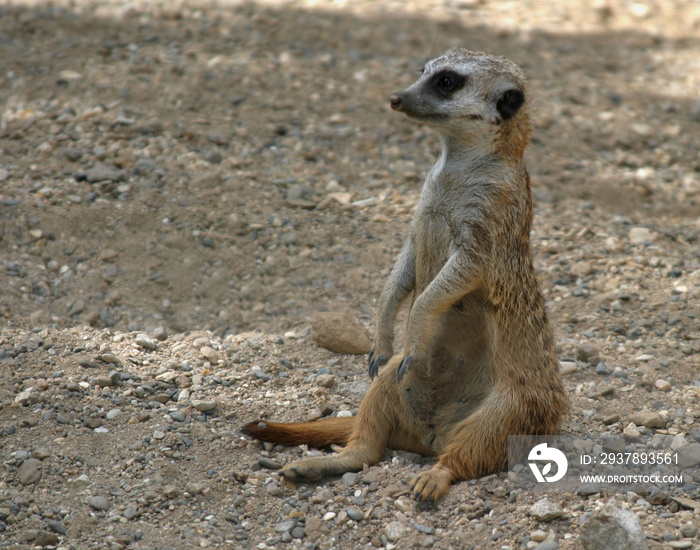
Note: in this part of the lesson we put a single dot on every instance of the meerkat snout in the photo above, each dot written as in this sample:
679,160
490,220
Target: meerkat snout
396,102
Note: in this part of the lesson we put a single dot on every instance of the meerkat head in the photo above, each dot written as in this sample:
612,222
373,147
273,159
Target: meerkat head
463,92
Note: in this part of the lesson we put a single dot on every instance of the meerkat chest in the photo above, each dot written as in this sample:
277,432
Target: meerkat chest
435,232
433,240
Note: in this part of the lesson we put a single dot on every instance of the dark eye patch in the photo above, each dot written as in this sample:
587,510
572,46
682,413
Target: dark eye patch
446,83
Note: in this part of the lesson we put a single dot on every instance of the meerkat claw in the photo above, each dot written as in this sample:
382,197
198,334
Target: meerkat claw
403,366
375,361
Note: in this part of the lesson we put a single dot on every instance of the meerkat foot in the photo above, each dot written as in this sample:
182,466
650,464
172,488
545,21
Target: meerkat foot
431,485
404,366
310,469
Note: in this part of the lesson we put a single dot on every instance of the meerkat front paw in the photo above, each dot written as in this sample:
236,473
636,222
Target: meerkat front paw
404,365
378,357
412,358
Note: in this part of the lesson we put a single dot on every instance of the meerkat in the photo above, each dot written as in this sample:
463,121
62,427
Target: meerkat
478,362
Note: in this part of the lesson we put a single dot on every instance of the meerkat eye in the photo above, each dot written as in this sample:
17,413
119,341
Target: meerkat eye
448,82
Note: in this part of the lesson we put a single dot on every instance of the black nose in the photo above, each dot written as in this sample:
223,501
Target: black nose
396,102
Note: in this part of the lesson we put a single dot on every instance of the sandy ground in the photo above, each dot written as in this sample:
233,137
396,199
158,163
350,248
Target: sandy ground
180,177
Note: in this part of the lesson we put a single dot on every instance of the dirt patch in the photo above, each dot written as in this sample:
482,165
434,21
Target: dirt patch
210,174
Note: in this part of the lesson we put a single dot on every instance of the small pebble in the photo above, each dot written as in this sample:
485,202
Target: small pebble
588,353
99,503
29,472
395,530
44,538
285,526
325,380
211,355
41,453
146,342
350,479
546,510
269,463
203,405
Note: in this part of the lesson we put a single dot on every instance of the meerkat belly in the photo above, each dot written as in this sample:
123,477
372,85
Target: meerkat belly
458,374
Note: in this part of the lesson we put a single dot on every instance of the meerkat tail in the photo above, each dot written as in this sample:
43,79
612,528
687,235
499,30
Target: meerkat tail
322,433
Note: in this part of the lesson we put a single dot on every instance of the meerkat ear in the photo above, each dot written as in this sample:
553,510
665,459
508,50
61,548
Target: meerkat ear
509,103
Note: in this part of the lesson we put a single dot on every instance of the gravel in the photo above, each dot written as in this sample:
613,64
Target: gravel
184,186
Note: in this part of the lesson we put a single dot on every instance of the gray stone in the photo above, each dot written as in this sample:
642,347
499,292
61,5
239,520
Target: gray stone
602,369
689,530
588,353
298,192
322,495
146,342
286,526
269,463
29,472
350,479
203,405
395,530
104,173
370,477
546,510
93,423
214,157
73,154
548,545
689,455
81,481
44,538
56,527
355,513
178,416
99,503
130,512
112,414
680,544
104,381
160,333
612,527
259,374
648,419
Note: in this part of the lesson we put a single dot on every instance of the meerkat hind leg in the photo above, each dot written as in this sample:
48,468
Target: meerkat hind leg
378,425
